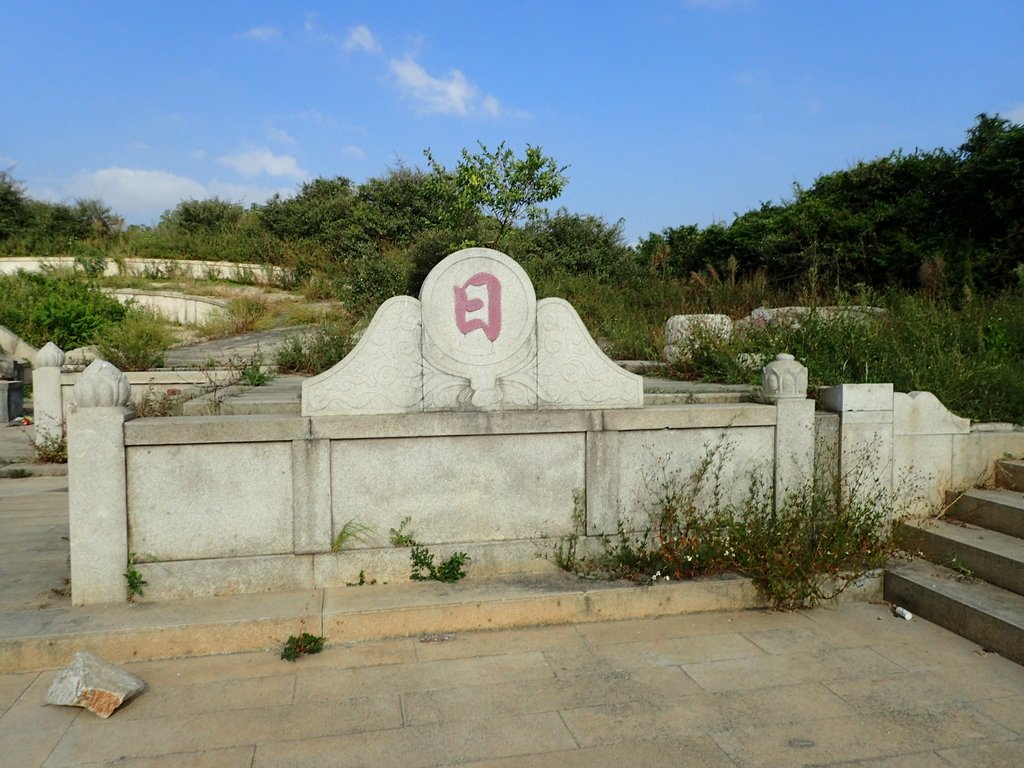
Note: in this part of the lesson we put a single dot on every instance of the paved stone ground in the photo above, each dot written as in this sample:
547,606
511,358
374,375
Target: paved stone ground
233,349
843,686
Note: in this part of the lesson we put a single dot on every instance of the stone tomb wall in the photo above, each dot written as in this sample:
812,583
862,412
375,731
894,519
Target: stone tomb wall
218,505
482,415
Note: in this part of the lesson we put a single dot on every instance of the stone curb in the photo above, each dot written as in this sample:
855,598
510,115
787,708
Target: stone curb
33,470
48,638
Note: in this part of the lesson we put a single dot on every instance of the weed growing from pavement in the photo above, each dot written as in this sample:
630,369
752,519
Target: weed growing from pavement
302,645
51,449
133,579
963,573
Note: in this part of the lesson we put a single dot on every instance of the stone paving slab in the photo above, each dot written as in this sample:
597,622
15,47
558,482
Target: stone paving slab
637,692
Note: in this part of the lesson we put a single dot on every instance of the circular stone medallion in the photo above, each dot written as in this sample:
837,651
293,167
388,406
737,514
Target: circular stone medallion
479,309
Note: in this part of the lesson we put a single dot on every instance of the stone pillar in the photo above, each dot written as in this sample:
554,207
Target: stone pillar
603,480
311,496
46,397
97,486
865,433
784,384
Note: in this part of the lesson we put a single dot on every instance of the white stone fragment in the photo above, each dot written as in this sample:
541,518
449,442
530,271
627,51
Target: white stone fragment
846,398
95,684
922,413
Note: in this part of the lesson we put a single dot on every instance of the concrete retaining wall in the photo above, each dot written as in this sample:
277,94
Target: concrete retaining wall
157,268
177,307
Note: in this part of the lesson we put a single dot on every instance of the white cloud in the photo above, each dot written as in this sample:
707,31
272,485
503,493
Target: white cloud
262,161
280,135
1014,114
453,95
353,151
361,39
491,106
138,194
261,33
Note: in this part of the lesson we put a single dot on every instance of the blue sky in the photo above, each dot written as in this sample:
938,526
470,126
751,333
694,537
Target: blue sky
668,112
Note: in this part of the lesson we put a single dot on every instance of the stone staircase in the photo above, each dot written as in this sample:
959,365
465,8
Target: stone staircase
972,578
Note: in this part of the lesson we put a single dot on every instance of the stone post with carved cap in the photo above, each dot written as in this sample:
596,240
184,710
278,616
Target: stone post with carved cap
97,485
784,384
47,405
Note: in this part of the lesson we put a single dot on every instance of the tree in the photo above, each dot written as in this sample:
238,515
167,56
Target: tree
321,210
13,205
394,209
203,217
504,187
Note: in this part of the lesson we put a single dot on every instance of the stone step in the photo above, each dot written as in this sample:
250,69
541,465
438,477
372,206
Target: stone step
1010,474
981,612
46,638
998,510
969,550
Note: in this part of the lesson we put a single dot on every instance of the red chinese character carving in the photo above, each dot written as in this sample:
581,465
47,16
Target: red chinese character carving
463,305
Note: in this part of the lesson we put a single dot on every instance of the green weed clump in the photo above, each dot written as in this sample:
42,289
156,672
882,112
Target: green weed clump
302,645
133,579
809,547
241,315
423,567
60,307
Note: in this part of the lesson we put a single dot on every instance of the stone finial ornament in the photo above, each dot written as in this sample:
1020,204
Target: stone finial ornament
102,385
50,356
784,379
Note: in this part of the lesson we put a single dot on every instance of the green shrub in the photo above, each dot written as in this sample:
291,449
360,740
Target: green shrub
137,343
317,350
242,315
373,279
63,308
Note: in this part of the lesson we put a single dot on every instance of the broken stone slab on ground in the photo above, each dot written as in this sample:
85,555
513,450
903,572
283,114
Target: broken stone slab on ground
91,682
